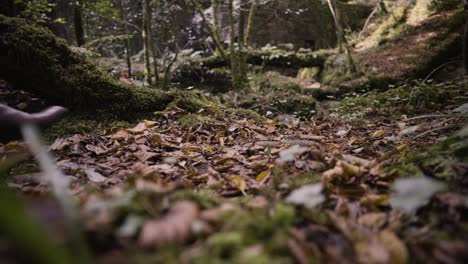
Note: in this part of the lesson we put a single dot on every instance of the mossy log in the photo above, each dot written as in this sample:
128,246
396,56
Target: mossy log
213,71
33,59
271,58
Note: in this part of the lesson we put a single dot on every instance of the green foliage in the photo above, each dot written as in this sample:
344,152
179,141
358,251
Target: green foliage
36,11
103,8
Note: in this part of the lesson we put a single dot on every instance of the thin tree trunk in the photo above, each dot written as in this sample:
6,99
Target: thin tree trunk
215,12
250,22
211,29
465,39
145,36
126,42
78,23
232,50
341,36
242,60
152,42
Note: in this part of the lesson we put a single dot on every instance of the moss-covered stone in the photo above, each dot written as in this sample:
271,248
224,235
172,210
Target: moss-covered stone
33,59
308,73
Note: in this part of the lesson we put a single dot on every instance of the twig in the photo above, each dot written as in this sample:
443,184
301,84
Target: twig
438,68
366,24
435,130
435,116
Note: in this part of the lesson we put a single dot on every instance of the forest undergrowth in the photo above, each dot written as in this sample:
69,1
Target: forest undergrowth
376,178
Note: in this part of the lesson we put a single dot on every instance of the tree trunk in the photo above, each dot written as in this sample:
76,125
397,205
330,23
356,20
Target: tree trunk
215,13
343,43
232,49
33,59
211,29
152,45
250,22
242,57
146,41
465,40
123,17
78,23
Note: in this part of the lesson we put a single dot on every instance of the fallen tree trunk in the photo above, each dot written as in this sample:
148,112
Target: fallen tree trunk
275,58
33,59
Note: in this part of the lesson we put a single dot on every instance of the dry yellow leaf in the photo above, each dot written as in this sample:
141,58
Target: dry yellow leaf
403,147
351,170
239,183
149,123
262,175
378,133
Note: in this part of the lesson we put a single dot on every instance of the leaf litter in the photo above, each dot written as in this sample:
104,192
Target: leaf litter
236,188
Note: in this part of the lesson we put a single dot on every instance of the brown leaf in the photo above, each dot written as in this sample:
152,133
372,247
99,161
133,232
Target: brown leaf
138,128
173,228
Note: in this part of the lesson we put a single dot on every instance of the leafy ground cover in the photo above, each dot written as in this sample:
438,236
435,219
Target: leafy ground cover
209,184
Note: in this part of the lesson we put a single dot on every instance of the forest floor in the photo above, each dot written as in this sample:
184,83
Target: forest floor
376,177
217,184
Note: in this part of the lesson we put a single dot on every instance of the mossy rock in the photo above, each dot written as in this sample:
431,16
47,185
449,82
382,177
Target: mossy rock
33,59
308,73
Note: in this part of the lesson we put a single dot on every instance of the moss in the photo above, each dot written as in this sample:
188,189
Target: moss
283,215
191,120
81,124
247,113
439,159
406,98
273,91
336,71
33,59
309,73
204,199
226,244
386,27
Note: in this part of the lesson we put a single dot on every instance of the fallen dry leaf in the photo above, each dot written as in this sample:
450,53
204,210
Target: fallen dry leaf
173,228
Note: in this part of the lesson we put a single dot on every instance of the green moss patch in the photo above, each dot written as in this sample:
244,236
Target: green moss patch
33,59
407,98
